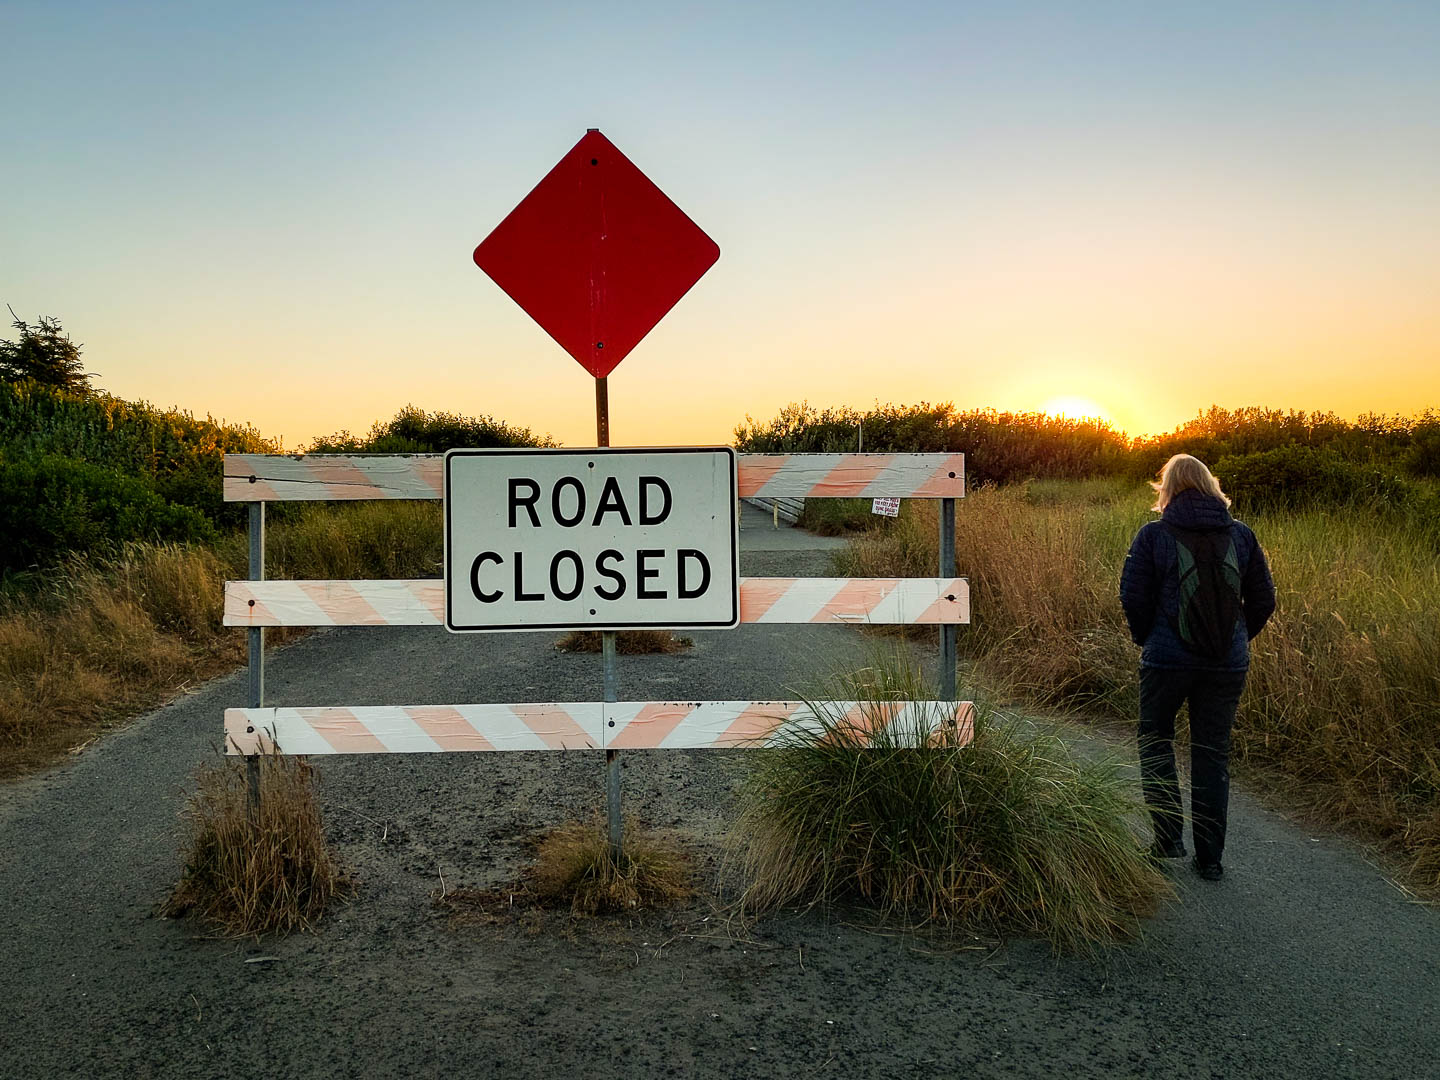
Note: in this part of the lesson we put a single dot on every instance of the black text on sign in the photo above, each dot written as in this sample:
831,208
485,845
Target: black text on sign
602,539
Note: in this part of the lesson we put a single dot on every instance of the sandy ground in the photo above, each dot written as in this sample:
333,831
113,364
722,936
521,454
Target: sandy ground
1303,962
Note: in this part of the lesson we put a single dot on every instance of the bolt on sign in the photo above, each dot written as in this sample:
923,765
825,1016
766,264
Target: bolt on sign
602,539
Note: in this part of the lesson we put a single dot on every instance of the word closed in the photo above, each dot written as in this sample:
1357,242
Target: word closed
604,539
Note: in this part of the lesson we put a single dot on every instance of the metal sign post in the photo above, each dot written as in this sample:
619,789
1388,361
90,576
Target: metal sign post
948,642
613,818
256,658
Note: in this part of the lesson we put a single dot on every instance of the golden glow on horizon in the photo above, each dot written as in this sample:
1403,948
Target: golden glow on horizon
1075,408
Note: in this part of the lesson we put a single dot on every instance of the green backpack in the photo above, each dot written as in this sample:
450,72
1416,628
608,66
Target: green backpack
1211,600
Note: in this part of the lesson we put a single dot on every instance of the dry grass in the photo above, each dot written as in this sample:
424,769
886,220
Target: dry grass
104,641
99,640
575,868
1344,691
388,539
247,877
574,871
629,642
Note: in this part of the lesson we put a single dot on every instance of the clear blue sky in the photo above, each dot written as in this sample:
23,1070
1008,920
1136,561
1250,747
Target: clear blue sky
268,214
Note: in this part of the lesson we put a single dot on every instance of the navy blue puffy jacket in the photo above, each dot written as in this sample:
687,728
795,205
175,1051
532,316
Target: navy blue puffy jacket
1150,590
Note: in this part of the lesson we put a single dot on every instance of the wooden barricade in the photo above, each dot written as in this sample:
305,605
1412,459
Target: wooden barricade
257,603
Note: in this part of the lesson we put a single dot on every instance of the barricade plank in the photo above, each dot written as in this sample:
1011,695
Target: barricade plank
327,477
330,477
626,725
415,729
874,601
852,476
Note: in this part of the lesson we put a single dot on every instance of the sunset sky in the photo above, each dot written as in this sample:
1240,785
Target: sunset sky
268,214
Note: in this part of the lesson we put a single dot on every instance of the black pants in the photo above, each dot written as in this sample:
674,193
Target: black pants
1213,697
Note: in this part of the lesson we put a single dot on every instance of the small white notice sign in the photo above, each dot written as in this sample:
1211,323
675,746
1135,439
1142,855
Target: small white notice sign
605,539
886,507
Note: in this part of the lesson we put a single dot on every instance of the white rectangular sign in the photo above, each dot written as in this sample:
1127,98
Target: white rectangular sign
604,539
885,507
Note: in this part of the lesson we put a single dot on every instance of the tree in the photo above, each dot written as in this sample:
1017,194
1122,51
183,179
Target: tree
45,354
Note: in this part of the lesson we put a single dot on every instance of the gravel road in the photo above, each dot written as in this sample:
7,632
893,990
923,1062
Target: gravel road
1303,962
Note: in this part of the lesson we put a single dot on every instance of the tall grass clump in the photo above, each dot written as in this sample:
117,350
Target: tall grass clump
1010,833
1345,684
1344,689
248,875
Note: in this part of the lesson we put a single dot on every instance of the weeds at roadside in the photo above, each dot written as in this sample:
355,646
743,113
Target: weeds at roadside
105,636
386,539
95,641
273,873
837,517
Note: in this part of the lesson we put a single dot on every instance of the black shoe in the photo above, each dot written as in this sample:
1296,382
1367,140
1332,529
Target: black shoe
1212,871
1161,850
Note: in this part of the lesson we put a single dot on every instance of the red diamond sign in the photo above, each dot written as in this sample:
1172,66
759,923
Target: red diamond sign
596,254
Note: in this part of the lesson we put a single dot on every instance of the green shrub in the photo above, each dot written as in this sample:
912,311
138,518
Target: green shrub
1290,477
1000,447
172,452
1392,443
1423,457
51,505
414,431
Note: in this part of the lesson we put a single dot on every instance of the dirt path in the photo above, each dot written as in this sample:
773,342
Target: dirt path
1303,962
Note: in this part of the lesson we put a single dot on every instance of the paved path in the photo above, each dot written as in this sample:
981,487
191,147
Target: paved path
1303,962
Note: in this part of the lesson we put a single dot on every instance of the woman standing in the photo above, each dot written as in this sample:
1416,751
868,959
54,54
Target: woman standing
1196,589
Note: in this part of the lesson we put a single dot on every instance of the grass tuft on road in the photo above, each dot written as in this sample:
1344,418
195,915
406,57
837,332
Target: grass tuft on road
628,642
574,871
1012,833
574,867
246,877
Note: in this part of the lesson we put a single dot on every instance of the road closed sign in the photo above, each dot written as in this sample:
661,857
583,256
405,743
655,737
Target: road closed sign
605,539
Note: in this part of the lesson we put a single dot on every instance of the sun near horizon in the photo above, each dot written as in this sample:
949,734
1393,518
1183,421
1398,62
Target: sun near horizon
1074,407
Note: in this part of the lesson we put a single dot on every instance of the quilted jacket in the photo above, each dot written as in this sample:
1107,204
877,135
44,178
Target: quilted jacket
1150,588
